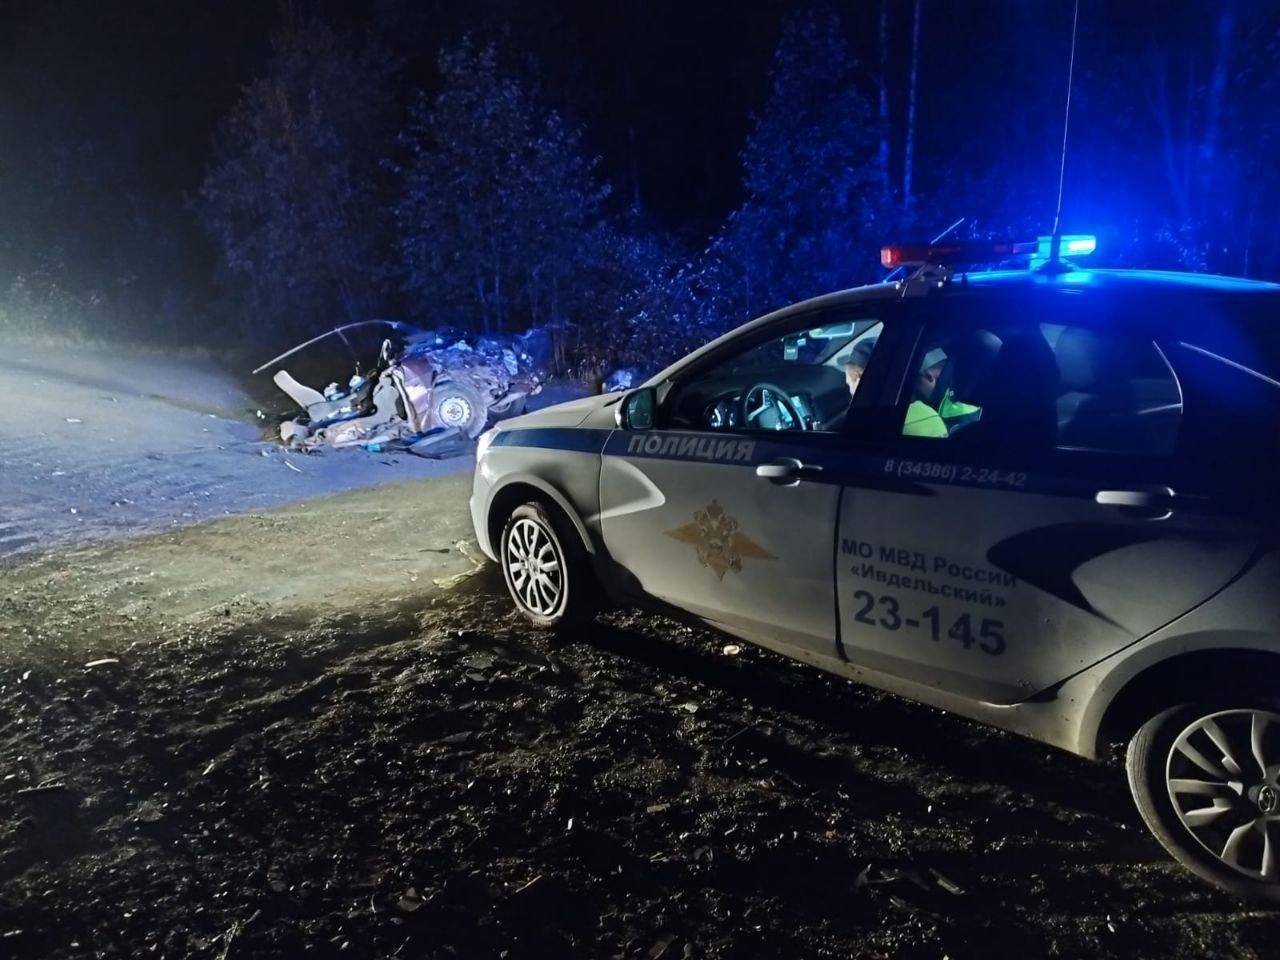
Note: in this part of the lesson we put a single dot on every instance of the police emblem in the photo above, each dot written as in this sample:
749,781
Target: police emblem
719,543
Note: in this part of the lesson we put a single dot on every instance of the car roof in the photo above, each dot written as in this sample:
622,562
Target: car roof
1203,307
1188,300
1123,281
1196,290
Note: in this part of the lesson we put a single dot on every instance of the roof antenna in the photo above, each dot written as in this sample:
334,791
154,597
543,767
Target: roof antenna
1055,263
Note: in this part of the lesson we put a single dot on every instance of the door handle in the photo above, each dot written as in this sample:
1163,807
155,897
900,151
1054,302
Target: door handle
1154,504
786,471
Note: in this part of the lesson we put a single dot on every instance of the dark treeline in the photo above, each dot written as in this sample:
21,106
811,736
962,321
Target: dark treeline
637,177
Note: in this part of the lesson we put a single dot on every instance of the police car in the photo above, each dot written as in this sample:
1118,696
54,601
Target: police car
1040,498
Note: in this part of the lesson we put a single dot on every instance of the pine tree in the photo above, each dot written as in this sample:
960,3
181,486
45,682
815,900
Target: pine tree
810,174
291,196
499,200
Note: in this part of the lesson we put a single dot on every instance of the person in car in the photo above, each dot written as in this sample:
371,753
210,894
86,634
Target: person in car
924,419
855,364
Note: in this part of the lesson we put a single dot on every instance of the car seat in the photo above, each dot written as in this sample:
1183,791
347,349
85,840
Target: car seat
1019,409
1095,405
969,370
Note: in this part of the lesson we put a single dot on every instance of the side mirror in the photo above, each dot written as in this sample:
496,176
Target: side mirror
637,409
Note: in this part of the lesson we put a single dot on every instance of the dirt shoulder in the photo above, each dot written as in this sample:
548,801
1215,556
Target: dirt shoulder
263,738
362,550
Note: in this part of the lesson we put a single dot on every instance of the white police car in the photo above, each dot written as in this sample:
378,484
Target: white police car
1042,499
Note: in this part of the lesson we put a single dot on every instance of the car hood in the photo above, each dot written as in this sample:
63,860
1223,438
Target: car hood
595,411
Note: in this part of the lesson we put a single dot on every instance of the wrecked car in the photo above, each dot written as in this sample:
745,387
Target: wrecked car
425,386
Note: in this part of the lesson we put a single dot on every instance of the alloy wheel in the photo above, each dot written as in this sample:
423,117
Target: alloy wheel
535,567
1223,777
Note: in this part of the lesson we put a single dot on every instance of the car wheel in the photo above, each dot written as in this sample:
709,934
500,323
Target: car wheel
1206,779
546,568
460,406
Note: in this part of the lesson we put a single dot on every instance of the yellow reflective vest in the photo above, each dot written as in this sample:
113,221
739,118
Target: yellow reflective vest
924,421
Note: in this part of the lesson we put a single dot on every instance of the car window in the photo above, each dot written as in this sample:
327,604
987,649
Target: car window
1043,385
800,380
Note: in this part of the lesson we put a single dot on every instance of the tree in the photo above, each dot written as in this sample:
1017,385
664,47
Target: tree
913,85
499,200
291,197
810,220
1187,113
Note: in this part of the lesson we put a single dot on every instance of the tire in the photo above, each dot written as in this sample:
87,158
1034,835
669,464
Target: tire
560,591
459,405
1223,825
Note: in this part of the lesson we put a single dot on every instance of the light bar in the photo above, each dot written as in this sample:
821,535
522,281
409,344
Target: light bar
1070,245
954,254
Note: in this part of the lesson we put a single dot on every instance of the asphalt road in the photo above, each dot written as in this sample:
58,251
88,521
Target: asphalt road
97,444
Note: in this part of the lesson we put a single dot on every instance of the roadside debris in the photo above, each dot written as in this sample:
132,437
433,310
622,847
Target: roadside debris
525,886
624,378
411,902
906,889
659,949
428,392
41,789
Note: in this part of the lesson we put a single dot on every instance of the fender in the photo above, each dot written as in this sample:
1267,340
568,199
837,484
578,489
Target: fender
551,493
1106,685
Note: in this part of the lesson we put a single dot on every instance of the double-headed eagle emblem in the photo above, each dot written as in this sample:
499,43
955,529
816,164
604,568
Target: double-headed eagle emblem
719,543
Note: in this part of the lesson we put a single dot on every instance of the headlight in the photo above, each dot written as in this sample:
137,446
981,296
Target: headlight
484,442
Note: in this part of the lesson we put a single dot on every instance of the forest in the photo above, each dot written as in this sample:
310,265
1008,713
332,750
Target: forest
634,177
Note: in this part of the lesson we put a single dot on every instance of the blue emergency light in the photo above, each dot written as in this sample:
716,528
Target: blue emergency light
1070,245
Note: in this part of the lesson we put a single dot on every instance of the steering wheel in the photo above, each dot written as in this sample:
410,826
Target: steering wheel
778,398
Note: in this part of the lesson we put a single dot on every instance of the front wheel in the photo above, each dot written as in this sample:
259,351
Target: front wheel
1206,779
459,405
546,568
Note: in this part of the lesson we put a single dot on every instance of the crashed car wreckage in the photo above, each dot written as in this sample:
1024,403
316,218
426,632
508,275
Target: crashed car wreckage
426,389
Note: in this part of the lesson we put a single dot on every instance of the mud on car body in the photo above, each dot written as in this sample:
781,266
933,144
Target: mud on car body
1080,548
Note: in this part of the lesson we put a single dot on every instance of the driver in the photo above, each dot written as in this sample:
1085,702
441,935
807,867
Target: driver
924,419
855,364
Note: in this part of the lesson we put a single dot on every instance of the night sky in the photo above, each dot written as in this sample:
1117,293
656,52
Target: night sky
113,115
665,88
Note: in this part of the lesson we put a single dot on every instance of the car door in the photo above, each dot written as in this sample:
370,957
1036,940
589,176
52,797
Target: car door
1048,528
706,513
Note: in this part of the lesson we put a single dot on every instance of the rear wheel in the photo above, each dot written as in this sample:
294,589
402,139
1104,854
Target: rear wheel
1206,779
546,568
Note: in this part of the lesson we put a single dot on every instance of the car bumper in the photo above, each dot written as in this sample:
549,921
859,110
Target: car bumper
481,496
